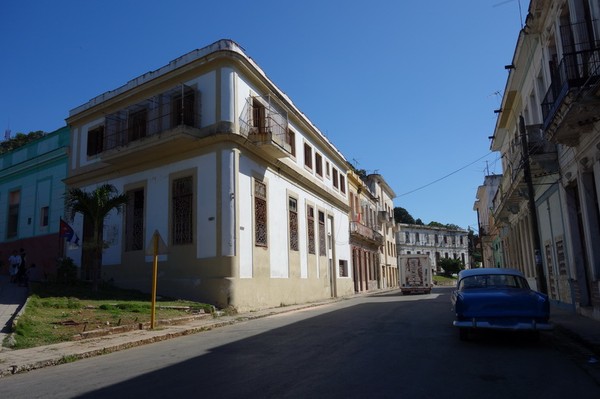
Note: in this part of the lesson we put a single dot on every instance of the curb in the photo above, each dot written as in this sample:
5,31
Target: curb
58,357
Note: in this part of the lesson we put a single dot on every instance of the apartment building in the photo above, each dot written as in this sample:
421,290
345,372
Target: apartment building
548,135
249,196
437,242
371,232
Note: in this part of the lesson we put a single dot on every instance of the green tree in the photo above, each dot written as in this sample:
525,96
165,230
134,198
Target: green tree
94,207
20,140
436,224
401,215
450,266
475,247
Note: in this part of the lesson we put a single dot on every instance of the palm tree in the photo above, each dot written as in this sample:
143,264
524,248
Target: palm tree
94,207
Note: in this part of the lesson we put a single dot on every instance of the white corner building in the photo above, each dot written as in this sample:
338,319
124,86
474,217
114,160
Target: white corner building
249,197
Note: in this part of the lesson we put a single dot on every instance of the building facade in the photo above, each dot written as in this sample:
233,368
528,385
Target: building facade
249,196
366,240
32,201
548,134
488,231
386,226
437,242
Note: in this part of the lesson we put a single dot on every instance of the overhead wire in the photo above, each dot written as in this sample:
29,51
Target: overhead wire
448,175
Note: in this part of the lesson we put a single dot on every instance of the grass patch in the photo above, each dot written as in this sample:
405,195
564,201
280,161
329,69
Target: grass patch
444,280
57,312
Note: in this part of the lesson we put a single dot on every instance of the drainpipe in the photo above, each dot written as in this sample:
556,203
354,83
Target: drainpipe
532,209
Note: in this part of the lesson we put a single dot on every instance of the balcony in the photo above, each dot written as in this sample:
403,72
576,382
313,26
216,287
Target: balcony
266,127
543,160
543,156
163,124
571,106
366,233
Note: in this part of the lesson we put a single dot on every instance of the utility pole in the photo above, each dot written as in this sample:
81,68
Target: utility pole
532,210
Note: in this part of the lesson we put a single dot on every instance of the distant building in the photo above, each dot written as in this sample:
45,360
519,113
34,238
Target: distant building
32,200
488,234
437,242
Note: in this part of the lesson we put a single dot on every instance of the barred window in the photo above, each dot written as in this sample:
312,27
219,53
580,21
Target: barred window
134,221
310,224
182,208
260,213
322,245
293,222
137,124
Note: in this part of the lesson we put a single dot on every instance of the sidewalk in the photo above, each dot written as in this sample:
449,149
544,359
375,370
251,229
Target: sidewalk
12,297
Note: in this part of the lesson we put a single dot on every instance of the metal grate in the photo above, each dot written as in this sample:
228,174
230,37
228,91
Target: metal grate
310,222
260,213
182,210
293,221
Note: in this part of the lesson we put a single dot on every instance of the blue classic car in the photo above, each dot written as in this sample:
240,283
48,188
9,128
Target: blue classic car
500,299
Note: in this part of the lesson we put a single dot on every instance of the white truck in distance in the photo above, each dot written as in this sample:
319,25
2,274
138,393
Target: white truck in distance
415,274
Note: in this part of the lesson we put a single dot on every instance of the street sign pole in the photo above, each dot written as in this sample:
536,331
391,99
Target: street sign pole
154,278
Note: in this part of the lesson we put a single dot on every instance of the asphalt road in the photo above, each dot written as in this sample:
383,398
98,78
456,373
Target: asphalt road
387,346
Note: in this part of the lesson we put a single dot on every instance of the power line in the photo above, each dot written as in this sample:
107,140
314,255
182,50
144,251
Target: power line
448,175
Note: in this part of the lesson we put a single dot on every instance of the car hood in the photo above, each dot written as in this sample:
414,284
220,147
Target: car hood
509,302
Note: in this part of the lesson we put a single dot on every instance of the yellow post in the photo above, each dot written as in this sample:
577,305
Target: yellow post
154,278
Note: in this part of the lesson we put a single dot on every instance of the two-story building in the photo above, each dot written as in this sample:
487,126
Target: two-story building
32,201
249,196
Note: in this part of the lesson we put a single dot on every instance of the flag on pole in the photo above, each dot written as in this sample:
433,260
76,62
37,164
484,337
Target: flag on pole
68,232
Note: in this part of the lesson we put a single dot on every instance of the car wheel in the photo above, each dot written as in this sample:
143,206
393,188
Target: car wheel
463,333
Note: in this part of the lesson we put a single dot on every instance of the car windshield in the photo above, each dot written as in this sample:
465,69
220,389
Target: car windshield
493,281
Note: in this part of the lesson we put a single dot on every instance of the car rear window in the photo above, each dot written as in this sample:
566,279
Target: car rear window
493,281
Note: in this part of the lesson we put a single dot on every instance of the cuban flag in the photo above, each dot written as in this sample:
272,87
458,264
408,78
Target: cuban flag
68,232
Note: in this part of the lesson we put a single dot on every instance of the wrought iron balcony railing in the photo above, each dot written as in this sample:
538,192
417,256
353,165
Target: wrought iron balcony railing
579,67
166,111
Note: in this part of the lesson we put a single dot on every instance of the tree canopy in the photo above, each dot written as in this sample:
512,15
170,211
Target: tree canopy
401,215
19,140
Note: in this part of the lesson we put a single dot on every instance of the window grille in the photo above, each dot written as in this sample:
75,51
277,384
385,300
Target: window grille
260,213
293,222
310,223
182,210
134,221
322,243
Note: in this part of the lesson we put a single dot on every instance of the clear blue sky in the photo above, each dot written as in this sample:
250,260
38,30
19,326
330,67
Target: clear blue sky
402,88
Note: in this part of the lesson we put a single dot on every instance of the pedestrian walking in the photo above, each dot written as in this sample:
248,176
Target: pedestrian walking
14,262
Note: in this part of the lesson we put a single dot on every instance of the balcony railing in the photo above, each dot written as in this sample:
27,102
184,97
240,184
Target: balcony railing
579,67
266,126
166,111
366,232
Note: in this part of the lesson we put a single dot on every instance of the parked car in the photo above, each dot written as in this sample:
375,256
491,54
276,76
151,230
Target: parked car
498,299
